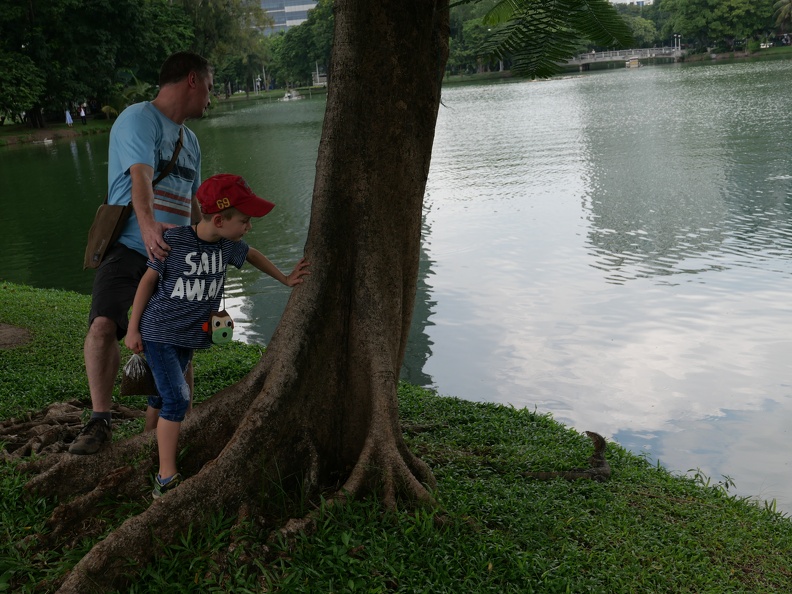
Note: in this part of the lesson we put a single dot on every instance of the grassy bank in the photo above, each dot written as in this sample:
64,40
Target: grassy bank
643,531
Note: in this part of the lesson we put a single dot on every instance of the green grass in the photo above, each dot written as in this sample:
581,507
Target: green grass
645,530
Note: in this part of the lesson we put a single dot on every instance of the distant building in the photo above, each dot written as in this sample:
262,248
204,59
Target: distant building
286,13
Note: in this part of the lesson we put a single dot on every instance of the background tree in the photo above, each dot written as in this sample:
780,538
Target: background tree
783,14
642,21
21,84
318,414
294,56
468,33
76,47
306,48
228,33
320,22
717,23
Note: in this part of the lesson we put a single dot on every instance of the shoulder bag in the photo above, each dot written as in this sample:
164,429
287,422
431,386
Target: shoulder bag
111,218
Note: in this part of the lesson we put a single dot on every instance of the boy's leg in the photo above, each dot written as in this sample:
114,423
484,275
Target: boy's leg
155,403
152,412
169,367
152,416
189,377
167,442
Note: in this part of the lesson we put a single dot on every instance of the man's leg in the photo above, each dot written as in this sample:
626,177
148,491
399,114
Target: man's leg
102,360
115,283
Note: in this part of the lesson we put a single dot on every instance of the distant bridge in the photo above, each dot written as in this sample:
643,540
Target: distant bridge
586,60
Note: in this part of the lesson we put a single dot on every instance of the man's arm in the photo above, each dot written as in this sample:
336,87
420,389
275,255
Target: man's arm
151,231
260,261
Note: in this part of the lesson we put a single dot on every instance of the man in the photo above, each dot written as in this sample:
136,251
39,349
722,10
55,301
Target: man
142,142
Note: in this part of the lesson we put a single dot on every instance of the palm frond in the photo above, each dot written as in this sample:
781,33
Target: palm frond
540,35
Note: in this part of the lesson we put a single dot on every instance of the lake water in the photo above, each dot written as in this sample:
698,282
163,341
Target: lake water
612,248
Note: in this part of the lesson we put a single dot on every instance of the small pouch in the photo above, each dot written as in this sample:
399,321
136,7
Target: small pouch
220,327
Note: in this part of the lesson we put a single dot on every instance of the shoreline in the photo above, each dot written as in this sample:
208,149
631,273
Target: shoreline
58,131
42,135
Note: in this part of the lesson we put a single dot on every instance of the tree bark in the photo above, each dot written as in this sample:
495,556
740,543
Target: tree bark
319,413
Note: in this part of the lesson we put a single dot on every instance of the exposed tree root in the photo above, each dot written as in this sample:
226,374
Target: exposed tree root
382,468
52,429
67,518
205,432
233,482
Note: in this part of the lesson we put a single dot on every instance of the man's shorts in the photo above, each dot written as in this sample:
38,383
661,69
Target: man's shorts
115,284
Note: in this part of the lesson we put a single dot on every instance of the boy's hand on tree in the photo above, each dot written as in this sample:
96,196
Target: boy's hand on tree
297,275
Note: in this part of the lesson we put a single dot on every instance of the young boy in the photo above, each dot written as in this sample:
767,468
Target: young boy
176,297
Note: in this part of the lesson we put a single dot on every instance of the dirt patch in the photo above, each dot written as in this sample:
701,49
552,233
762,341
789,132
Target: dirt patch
13,336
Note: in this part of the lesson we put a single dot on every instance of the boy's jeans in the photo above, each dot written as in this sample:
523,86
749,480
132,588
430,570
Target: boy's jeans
168,364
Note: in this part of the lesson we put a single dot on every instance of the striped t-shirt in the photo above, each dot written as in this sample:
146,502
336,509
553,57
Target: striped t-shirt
190,288
143,135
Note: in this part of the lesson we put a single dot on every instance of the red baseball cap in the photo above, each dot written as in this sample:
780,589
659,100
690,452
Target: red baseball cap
225,190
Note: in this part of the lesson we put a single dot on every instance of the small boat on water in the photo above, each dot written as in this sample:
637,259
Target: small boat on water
291,96
633,62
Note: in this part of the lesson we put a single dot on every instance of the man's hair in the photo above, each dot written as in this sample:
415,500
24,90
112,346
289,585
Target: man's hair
177,66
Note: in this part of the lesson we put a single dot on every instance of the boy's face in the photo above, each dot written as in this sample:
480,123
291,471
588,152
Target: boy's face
236,227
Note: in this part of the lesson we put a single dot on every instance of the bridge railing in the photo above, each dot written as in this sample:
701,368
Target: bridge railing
609,56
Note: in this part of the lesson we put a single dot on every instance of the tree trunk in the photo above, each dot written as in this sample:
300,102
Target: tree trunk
319,412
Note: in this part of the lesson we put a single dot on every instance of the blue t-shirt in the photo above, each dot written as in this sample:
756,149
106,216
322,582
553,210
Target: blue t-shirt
142,135
190,288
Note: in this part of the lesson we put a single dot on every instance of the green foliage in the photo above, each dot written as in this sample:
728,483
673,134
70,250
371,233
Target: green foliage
532,37
70,50
128,90
643,30
295,56
300,50
710,23
537,35
783,14
21,83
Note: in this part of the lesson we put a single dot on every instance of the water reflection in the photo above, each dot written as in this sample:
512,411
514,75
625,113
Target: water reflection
47,191
634,283
668,194
419,346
